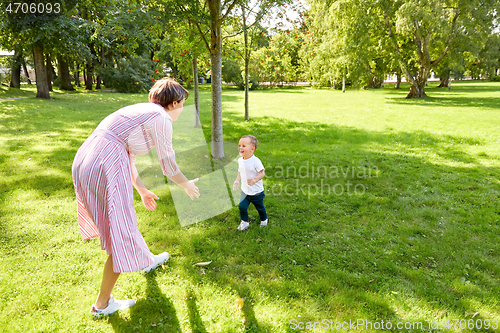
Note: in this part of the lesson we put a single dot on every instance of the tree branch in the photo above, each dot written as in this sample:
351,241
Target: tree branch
230,8
452,36
403,65
418,40
202,35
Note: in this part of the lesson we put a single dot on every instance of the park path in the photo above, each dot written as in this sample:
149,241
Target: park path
83,92
10,99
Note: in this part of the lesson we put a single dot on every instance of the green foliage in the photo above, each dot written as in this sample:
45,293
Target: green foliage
371,39
279,61
131,75
231,72
253,84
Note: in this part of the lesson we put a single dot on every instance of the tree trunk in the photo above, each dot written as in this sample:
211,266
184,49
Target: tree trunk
343,81
48,69
417,88
26,72
42,86
15,78
98,79
77,74
90,69
247,61
197,122
89,75
398,81
64,73
216,71
444,81
376,82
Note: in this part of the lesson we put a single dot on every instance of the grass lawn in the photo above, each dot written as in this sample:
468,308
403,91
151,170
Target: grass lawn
381,211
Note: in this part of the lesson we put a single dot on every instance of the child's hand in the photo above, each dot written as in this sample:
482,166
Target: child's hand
235,185
251,181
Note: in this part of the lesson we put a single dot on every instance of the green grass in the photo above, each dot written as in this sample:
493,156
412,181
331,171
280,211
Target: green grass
413,237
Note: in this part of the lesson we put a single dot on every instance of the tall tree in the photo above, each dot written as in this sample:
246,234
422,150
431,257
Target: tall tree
64,74
17,60
42,82
215,13
186,43
250,12
430,27
37,33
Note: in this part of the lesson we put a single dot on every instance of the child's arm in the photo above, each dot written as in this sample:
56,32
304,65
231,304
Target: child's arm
236,182
253,181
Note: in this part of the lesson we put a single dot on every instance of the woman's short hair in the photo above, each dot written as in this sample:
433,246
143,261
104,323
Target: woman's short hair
166,91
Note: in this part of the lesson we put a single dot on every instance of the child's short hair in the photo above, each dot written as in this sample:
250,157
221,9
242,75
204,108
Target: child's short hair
166,91
253,140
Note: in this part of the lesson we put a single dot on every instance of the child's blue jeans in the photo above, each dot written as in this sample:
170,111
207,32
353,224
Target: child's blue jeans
258,202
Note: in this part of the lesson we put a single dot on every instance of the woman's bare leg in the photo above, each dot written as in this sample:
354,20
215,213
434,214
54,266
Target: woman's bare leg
109,278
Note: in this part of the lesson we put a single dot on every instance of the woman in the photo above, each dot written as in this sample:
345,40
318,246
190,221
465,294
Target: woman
104,175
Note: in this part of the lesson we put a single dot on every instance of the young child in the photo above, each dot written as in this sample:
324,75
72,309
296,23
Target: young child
250,172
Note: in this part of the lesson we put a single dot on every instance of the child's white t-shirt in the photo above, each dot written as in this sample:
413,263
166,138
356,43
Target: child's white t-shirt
248,169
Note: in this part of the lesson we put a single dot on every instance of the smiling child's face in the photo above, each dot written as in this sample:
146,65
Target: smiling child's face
246,148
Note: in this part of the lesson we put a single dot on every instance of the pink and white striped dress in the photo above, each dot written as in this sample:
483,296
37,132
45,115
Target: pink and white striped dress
102,175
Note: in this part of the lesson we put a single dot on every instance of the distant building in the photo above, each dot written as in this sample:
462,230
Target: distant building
6,71
4,54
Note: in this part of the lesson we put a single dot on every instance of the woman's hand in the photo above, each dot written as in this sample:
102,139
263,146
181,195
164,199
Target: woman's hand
191,189
148,199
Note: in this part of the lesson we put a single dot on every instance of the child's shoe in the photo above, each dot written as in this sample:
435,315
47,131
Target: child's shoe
159,259
263,223
113,306
243,226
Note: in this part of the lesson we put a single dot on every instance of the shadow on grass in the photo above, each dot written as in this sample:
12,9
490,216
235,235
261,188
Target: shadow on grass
461,95
250,322
195,321
152,314
445,100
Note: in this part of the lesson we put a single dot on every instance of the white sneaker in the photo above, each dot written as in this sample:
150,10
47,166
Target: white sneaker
159,259
263,223
243,226
113,306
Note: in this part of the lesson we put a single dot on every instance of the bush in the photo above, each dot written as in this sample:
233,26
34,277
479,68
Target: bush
252,83
129,75
231,72
495,78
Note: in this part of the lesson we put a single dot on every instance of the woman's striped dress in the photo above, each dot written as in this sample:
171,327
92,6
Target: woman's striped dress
102,175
